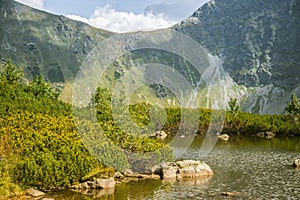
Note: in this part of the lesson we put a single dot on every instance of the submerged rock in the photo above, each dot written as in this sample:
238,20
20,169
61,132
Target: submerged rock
97,184
34,193
129,174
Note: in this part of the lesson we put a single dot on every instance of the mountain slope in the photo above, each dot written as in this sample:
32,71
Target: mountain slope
46,44
257,41
260,40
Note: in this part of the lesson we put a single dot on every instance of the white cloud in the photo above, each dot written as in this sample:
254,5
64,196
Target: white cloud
78,18
116,21
39,4
174,9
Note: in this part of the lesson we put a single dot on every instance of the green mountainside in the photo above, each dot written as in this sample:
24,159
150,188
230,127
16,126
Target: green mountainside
257,42
46,44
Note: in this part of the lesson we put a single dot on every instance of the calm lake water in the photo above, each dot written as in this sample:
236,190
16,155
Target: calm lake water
259,168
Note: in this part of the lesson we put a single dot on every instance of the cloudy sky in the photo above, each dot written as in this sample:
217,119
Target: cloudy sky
121,15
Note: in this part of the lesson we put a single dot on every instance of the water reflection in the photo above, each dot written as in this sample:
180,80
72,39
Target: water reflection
260,168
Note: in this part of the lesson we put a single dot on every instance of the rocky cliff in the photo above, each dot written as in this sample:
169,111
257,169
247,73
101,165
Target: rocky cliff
259,40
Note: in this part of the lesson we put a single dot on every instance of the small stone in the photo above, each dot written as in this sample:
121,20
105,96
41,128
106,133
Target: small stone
119,175
269,135
84,185
34,193
232,194
160,134
296,163
223,137
260,134
128,172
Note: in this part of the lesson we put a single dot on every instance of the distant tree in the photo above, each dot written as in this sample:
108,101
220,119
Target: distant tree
102,102
9,73
40,87
234,106
293,107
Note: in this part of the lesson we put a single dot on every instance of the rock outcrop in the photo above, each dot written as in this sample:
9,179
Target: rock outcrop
183,169
97,184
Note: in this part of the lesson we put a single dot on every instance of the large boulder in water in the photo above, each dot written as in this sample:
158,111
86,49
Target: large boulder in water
183,169
192,168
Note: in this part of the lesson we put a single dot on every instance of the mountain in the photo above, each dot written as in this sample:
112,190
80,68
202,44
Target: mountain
257,42
260,40
43,43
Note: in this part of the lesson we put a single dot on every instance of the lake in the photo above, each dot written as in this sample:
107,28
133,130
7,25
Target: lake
259,168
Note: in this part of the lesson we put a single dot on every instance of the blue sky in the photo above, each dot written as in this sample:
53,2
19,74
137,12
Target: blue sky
121,15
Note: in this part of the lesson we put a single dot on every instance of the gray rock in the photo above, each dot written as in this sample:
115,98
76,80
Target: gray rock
160,134
128,172
267,134
296,163
270,135
261,134
169,171
34,193
182,169
223,137
157,169
84,186
119,175
105,183
191,168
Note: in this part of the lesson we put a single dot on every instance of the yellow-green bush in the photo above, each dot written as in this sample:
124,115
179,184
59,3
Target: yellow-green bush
49,152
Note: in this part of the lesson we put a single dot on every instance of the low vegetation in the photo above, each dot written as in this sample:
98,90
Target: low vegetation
40,146
39,143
